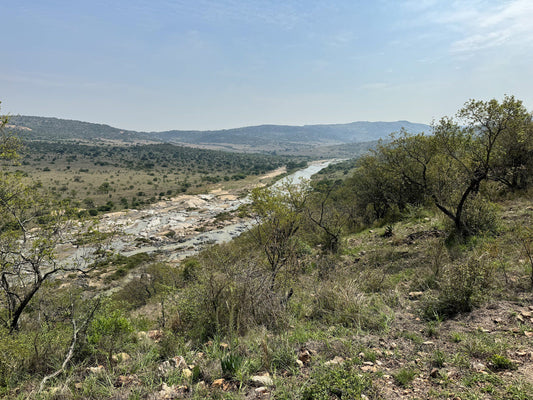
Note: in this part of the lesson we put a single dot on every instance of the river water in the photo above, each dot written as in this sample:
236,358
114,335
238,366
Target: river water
179,227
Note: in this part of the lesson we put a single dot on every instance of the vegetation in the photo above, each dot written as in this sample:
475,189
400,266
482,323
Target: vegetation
105,177
407,276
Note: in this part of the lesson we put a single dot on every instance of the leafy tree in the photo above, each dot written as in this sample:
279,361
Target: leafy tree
31,226
279,213
488,140
326,210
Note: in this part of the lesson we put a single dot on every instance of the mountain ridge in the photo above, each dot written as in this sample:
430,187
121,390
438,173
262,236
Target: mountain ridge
266,137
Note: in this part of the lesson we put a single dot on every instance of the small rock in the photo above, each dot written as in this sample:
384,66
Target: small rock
179,362
187,373
217,383
78,385
261,390
368,368
526,313
120,357
96,370
429,342
127,380
478,366
368,363
434,373
262,380
156,335
528,333
304,356
415,295
224,346
300,363
336,361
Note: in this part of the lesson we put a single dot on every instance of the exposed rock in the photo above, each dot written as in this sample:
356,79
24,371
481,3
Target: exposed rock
261,390
304,356
336,361
127,380
415,295
262,380
218,383
479,366
224,346
187,373
96,370
120,357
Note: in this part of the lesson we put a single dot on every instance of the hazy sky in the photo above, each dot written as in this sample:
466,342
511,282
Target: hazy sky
209,64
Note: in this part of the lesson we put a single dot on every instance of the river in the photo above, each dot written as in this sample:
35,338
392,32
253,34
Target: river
181,226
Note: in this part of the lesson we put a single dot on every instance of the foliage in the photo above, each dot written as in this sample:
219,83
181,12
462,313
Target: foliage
109,332
449,167
279,213
461,288
405,376
338,382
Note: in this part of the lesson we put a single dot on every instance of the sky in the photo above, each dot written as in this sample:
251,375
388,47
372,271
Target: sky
156,65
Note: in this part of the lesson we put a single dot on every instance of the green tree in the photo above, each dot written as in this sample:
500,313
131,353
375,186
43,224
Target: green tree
487,140
31,227
279,213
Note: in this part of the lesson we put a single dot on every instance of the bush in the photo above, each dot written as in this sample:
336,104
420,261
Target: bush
108,333
343,304
338,382
460,289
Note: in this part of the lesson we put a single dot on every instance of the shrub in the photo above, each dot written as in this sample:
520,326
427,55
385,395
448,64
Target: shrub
343,304
109,332
460,288
338,382
405,376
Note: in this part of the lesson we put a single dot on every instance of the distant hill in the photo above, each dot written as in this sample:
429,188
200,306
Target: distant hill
361,131
56,129
283,139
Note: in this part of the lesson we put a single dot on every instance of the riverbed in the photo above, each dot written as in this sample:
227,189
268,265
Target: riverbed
181,226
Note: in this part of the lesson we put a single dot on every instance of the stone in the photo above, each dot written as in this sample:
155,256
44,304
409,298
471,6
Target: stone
187,373
96,370
304,356
261,390
218,383
224,346
434,373
262,380
156,335
300,363
415,295
127,380
335,361
120,357
429,342
478,366
179,362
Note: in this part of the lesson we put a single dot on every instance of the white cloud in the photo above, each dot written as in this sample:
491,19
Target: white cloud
486,24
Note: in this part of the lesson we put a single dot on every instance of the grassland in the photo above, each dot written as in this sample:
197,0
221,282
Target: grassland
104,178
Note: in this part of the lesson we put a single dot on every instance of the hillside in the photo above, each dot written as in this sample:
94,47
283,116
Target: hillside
282,139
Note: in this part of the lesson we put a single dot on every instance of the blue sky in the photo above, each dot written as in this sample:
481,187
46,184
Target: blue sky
212,64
